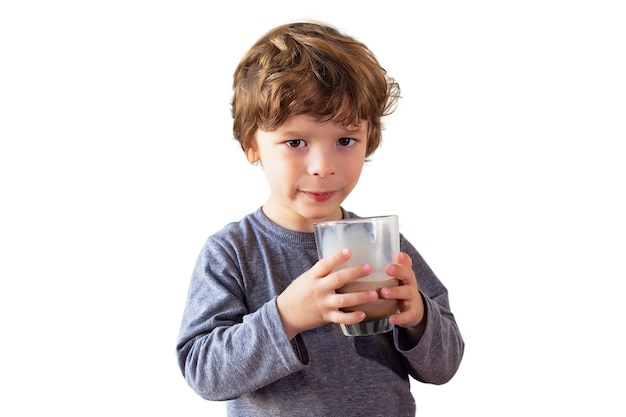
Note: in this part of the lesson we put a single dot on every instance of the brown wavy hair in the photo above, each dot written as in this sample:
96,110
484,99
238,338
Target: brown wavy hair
310,68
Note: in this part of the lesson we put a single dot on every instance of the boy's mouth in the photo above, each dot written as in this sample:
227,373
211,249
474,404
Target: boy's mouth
319,197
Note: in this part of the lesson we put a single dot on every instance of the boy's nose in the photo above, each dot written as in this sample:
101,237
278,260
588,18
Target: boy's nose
322,165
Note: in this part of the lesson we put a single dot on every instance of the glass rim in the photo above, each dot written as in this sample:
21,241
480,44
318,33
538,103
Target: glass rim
368,219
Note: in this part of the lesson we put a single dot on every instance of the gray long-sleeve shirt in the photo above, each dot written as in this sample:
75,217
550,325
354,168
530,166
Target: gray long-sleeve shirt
232,345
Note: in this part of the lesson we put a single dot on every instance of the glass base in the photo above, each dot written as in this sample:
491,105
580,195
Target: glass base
367,327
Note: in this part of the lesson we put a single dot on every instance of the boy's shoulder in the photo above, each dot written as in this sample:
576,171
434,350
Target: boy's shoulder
247,224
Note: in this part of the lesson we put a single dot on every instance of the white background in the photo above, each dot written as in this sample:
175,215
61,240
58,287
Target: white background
504,160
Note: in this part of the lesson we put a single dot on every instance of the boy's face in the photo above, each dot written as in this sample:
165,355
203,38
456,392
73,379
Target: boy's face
311,167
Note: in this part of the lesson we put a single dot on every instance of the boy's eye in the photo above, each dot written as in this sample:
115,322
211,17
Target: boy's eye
346,141
295,143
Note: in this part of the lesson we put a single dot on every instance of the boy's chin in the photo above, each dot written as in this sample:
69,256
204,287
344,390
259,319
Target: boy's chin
319,214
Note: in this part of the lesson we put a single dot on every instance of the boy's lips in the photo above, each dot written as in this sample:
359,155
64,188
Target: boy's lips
319,197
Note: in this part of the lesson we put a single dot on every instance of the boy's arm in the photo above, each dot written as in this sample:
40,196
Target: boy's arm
434,350
437,355
223,349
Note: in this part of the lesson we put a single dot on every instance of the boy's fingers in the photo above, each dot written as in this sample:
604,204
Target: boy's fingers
403,259
326,265
347,275
349,300
341,317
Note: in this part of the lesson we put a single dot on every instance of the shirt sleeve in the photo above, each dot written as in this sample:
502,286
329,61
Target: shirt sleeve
437,356
224,350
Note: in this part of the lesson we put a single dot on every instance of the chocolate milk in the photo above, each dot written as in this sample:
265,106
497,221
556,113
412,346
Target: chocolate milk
378,308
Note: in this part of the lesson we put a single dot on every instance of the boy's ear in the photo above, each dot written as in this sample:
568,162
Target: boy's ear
251,153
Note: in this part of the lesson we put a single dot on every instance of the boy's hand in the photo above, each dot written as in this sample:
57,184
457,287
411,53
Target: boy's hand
310,301
410,303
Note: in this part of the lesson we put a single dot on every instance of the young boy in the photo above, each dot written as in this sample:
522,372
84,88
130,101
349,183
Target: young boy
260,324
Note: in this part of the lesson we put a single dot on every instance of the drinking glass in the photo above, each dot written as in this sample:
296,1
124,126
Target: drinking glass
372,240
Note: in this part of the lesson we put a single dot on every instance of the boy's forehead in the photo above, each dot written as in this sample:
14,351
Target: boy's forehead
302,120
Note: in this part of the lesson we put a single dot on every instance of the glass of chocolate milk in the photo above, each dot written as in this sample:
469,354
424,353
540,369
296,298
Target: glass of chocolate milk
374,241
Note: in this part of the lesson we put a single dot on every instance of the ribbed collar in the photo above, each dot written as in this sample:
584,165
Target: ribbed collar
302,239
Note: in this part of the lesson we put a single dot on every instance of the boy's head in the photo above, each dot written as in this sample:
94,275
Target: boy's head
310,68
